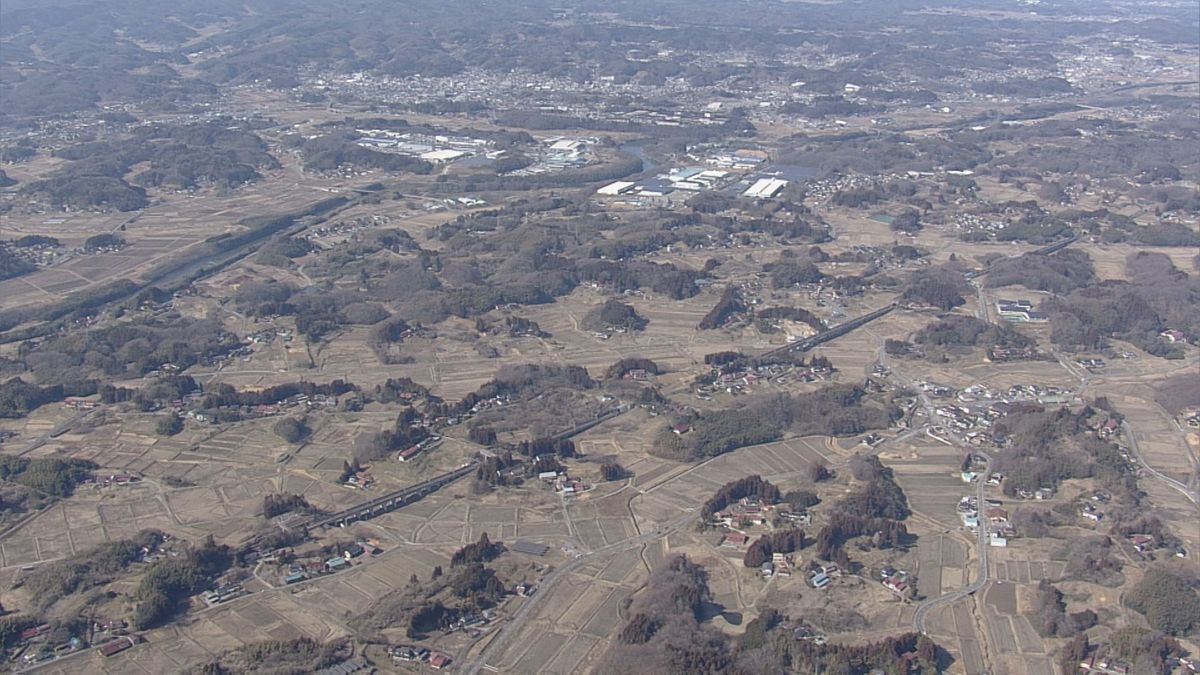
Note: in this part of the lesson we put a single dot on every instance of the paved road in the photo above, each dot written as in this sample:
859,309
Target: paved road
1182,488
982,544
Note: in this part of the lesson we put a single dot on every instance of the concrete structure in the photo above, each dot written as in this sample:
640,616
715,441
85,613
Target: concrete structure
442,155
765,188
617,188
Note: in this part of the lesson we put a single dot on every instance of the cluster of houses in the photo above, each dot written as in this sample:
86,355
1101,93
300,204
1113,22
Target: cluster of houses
188,406
895,580
823,575
223,594
33,645
1189,417
563,483
1000,530
803,631
1020,311
1011,354
780,565
416,654
473,620
979,407
308,569
745,512
1109,428
79,403
1102,665
1174,337
743,381
360,480
116,479
410,453
1040,494
1090,509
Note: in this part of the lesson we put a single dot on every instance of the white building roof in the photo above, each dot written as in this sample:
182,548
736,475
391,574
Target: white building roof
616,188
765,188
442,155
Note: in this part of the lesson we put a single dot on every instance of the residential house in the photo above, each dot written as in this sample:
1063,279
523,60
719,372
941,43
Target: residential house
1173,336
734,540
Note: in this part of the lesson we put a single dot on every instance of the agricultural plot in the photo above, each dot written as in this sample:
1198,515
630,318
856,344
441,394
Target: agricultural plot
579,617
941,564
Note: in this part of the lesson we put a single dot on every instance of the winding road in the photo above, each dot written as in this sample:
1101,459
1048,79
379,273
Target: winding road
1180,487
982,544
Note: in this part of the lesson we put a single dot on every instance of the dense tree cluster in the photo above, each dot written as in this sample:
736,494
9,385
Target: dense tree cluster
1062,272
942,287
957,330
729,304
1146,651
789,272
664,633
798,314
539,447
19,398
802,500
168,425
50,475
1095,560
779,541
1169,602
402,389
225,395
216,152
333,151
1157,297
12,265
130,349
292,429
622,367
49,583
1046,447
835,410
280,656
875,508
611,471
907,653
519,382
482,435
908,222
405,433
613,314
279,504
431,617
482,551
753,487
1050,616
168,583
479,583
